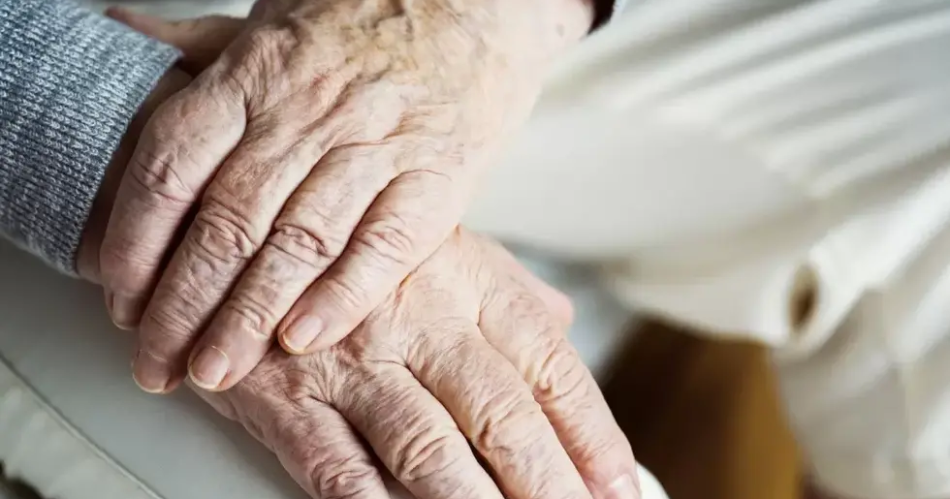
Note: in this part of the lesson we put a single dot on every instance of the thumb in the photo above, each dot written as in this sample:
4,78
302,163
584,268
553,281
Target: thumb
201,39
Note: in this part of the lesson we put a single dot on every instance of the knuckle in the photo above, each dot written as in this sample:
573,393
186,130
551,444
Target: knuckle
346,293
224,235
265,42
392,240
165,330
121,271
427,453
591,451
530,308
254,316
290,384
303,381
343,479
543,304
307,246
366,354
560,375
155,177
537,314
158,171
265,52
505,422
271,398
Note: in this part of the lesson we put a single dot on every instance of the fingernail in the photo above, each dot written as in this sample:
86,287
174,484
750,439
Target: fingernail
302,333
209,368
146,372
624,487
154,390
126,311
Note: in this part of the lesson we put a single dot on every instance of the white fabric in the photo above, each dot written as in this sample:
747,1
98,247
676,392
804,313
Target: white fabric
775,170
38,447
55,335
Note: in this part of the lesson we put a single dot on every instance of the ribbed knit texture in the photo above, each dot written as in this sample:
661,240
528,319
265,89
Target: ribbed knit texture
70,83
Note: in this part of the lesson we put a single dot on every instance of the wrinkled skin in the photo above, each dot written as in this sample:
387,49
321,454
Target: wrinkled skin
331,148
469,349
466,358
468,354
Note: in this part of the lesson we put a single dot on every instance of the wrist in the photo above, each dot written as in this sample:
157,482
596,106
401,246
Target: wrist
87,258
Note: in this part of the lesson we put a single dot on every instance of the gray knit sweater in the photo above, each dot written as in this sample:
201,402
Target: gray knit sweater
70,83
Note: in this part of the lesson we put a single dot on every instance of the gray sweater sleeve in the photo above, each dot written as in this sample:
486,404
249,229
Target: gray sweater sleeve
70,83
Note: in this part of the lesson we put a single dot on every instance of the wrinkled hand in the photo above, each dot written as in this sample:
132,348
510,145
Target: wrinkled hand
470,348
468,354
329,150
87,258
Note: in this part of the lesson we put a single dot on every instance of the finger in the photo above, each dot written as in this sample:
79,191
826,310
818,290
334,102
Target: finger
305,240
404,225
230,227
414,436
313,442
323,454
201,40
237,213
554,301
180,149
525,331
496,410
310,233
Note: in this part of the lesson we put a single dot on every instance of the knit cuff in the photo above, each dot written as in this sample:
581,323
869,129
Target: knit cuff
70,83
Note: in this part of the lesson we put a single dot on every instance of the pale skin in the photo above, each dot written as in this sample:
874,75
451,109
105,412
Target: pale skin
329,150
465,353
313,433
469,351
467,359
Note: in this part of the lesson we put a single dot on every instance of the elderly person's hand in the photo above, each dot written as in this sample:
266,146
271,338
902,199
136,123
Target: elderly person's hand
329,150
469,351
465,363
